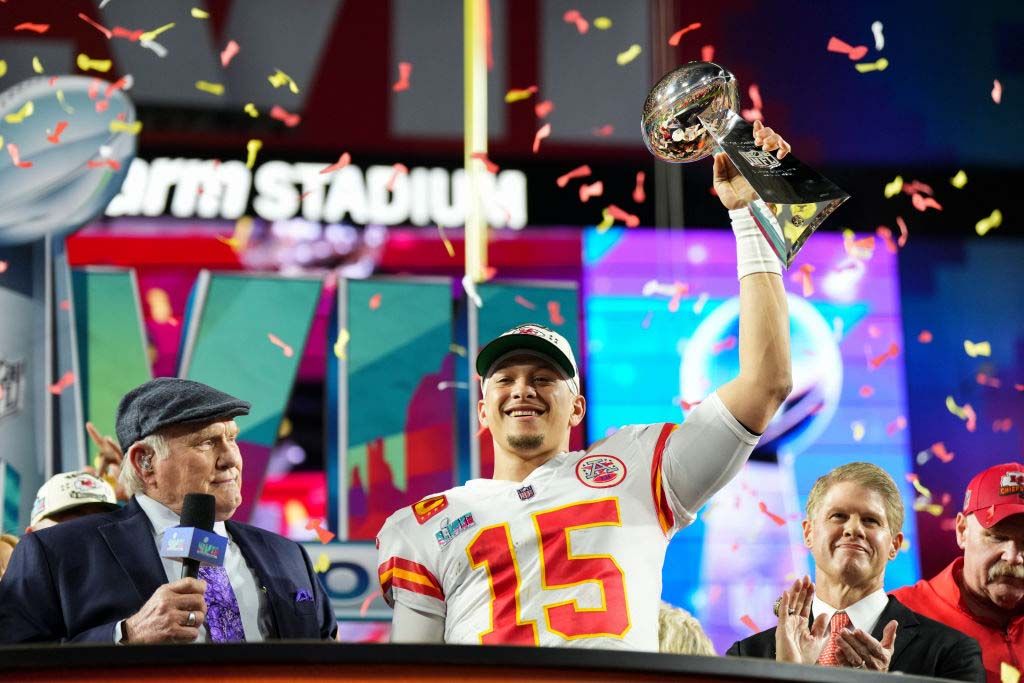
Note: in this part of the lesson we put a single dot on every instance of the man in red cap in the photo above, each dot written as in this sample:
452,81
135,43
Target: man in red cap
982,593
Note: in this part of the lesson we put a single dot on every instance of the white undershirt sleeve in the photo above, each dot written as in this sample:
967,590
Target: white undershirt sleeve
412,626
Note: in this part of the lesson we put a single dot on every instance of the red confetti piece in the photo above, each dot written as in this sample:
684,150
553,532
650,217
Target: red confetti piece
1002,425
281,114
375,302
110,163
925,337
900,423
29,26
917,187
891,352
687,405
885,234
555,313
66,380
854,53
544,132
578,172
12,149
988,381
99,27
638,192
122,32
323,534
228,53
904,234
343,161
803,276
276,341
65,304
119,84
771,515
867,391
749,623
524,302
55,136
573,16
921,203
972,417
939,449
396,170
604,131
679,290
542,109
997,91
592,190
678,35
3,266
1019,387
724,345
707,53
404,71
482,156
618,214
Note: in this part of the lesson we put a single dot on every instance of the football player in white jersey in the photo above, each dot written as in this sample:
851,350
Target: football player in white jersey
565,548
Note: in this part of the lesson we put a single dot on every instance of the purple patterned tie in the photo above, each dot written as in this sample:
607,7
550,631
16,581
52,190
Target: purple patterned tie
222,616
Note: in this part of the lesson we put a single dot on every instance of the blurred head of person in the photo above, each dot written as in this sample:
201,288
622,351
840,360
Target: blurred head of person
7,543
679,633
70,495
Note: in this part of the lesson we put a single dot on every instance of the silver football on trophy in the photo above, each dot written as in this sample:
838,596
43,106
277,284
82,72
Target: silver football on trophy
671,123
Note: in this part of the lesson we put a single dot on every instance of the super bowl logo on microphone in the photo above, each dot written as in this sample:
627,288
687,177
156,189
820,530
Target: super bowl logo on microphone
176,541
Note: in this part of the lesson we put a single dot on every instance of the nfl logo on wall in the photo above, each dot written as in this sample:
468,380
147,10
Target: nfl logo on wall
600,471
526,493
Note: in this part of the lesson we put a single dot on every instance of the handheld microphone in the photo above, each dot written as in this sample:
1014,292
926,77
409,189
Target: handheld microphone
193,541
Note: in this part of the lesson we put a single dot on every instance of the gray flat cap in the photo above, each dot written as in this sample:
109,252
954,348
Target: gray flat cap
169,401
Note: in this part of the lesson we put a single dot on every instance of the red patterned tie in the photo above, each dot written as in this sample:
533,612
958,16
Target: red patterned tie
828,657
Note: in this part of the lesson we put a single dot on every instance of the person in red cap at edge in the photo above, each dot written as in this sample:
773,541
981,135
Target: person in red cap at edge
982,593
565,548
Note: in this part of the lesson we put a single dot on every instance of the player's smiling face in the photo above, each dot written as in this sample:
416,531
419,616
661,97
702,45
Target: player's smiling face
529,408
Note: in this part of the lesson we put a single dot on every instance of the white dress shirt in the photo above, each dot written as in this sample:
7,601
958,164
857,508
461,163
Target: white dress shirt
864,613
251,601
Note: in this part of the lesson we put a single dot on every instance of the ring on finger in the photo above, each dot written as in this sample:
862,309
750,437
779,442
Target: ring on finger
191,621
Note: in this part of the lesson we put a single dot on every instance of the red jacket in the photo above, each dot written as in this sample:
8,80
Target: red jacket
939,599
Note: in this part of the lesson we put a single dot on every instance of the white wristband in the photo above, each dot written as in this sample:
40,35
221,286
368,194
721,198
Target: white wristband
753,253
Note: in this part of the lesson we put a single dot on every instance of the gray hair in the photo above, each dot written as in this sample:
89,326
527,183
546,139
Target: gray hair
680,633
129,479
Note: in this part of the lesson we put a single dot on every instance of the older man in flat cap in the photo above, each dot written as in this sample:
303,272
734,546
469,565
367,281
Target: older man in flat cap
101,578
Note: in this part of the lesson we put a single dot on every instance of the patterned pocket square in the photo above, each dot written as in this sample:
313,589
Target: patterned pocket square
303,596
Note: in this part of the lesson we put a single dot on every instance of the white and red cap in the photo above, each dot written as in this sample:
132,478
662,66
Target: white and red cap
69,490
532,339
996,493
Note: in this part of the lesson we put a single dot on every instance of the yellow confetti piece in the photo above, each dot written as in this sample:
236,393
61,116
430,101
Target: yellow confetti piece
624,58
606,221
894,188
22,114
252,147
515,95
952,407
280,78
132,128
602,23
240,237
447,243
457,349
994,220
199,14
1008,673
86,64
251,110
339,346
921,489
323,563
212,88
286,428
959,180
864,67
148,36
3,68
975,349
37,66
858,430
63,103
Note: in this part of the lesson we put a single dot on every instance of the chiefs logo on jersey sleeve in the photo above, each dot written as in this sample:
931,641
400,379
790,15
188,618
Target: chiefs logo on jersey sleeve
600,471
428,507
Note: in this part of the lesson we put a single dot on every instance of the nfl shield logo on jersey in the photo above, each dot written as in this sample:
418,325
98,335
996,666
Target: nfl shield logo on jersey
600,471
526,493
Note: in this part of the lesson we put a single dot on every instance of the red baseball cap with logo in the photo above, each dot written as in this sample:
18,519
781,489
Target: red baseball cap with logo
996,493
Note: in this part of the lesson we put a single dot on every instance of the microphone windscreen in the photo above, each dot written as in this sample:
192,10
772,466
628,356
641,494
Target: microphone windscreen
198,510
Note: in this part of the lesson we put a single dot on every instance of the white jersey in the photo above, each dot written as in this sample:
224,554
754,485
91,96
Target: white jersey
572,555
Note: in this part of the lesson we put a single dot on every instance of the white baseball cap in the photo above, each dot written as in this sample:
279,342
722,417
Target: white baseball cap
69,490
532,338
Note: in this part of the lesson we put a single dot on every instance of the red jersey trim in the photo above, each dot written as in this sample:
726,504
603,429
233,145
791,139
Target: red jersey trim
661,505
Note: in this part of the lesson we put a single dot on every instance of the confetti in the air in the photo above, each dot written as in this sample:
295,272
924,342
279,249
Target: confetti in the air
133,128
678,35
894,188
396,171
923,203
404,71
3,266
638,192
603,131
997,91
147,36
3,68
1004,425
975,349
925,337
876,30
771,515
627,56
339,346
322,564
959,180
857,430
602,23
891,352
988,381
199,14
555,313
344,160
607,220
37,65
35,28
573,16
212,88
12,149
707,53
228,53
99,27
280,78
66,380
897,425
281,114
26,111
618,214
592,190
516,95
542,109
323,534
542,133
994,220
749,623
447,242
867,391
842,47
578,172
251,109
488,164
285,348
85,63
469,287
524,302
252,148
803,277
880,65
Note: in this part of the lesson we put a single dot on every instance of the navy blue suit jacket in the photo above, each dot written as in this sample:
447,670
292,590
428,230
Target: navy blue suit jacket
76,580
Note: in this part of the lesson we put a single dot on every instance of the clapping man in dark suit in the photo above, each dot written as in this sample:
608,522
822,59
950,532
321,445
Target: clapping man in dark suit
100,578
853,529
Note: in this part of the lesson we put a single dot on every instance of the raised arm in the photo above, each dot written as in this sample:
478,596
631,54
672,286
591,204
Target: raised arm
765,376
